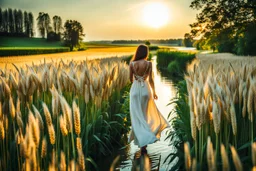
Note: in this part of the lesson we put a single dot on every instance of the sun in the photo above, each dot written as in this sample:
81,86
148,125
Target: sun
155,14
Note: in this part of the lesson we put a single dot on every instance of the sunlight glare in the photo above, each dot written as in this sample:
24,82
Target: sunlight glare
155,14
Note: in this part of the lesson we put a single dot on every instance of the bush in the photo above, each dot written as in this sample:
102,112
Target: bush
153,47
164,57
30,51
52,36
173,67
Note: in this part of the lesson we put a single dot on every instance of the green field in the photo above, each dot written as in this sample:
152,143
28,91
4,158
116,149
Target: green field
27,42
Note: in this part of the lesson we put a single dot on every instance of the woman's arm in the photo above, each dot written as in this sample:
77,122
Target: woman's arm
151,81
131,73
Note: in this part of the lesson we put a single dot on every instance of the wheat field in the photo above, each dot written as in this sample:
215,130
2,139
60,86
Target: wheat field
222,99
57,115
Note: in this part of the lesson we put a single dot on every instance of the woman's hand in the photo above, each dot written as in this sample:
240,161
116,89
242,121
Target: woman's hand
155,96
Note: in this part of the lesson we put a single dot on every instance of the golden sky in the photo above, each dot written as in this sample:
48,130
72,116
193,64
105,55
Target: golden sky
114,19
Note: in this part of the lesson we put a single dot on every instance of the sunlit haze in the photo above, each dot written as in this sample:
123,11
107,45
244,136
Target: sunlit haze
119,19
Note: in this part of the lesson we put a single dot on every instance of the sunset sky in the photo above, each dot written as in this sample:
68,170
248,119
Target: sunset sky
114,19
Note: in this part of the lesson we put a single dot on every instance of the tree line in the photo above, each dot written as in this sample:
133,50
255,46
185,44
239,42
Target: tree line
225,25
153,41
21,24
16,23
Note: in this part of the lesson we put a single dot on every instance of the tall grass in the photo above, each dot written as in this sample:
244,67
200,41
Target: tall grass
61,115
221,98
174,62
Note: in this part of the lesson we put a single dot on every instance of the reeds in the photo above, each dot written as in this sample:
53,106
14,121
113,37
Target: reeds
61,114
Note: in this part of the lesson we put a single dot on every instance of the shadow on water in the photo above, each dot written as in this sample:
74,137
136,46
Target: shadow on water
130,157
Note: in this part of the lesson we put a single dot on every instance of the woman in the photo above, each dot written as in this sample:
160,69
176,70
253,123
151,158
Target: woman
147,121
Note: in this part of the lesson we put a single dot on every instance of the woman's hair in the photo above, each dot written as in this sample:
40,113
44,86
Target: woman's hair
141,53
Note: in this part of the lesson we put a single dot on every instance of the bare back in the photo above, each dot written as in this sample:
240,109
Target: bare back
141,68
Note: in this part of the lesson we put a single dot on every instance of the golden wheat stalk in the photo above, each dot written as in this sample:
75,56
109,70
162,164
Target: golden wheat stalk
63,125
76,115
47,115
44,148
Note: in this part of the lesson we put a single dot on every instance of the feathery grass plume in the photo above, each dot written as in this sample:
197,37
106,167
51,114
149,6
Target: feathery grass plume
193,125
55,102
47,115
244,103
39,117
62,166
254,154
2,132
236,159
250,104
7,90
66,112
44,148
19,121
11,108
18,106
34,129
76,115
51,132
240,92
233,118
224,157
63,125
81,160
92,92
86,94
187,156
210,155
78,143
13,81
216,117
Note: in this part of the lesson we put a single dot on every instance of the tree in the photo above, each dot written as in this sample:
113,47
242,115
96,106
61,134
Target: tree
57,24
43,23
6,21
11,21
20,22
220,22
188,40
31,25
73,33
147,43
1,20
26,23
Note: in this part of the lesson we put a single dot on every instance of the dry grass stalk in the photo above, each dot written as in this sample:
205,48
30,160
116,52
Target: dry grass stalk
254,154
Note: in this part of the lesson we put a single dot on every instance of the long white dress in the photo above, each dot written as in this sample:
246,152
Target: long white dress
146,120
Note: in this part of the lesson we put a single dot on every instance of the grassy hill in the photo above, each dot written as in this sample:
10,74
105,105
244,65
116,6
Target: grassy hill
27,42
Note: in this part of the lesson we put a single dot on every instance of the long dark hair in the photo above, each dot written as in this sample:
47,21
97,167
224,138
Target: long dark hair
141,53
